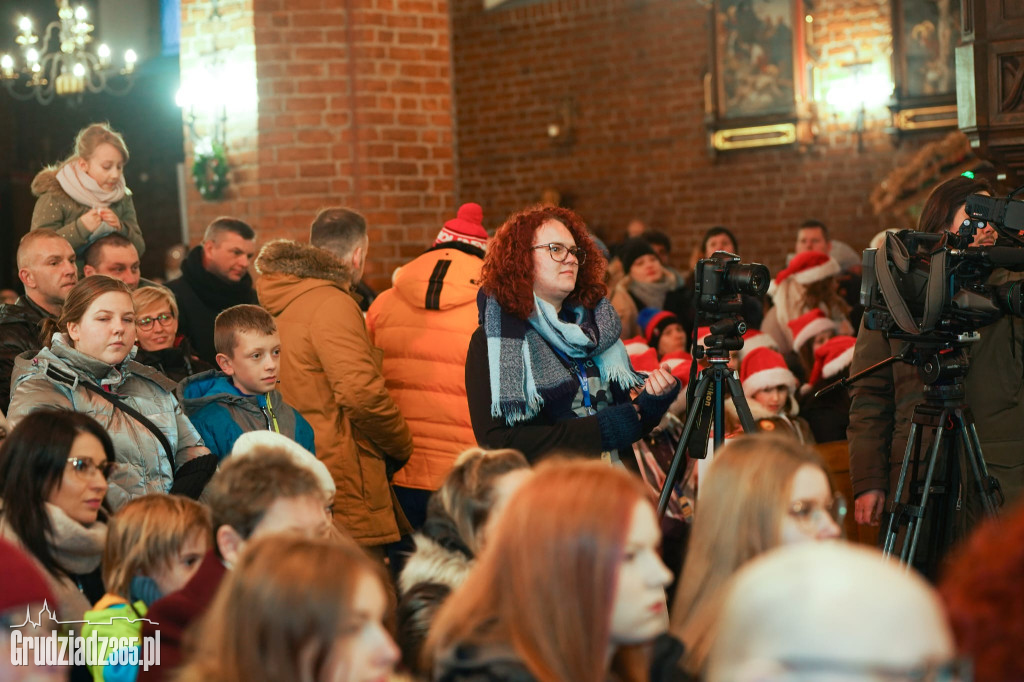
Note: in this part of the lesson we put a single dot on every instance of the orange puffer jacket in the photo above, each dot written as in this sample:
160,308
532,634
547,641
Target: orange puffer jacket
423,324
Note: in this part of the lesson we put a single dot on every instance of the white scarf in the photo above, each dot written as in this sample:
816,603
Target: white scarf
86,191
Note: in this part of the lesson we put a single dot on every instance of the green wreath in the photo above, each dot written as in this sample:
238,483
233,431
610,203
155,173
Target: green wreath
210,171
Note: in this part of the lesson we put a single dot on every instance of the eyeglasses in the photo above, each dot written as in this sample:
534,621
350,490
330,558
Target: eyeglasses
955,670
559,252
85,467
147,322
807,512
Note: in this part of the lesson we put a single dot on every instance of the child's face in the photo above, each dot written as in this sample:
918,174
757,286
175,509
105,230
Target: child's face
173,575
820,339
254,364
773,399
673,339
104,166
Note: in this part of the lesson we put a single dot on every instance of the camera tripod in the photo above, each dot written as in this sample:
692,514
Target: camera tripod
706,403
942,365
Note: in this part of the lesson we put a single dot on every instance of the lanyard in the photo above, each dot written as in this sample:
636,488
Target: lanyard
581,377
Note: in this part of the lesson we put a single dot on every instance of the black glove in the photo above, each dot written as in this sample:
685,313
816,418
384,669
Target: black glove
653,407
620,427
191,478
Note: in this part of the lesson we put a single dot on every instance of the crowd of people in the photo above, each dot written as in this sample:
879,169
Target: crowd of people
282,475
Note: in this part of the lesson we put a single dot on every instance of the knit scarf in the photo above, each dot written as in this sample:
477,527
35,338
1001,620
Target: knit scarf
525,370
77,548
652,294
86,191
214,292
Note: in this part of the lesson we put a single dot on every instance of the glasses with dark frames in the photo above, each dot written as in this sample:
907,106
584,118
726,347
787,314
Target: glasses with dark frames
85,467
147,322
559,252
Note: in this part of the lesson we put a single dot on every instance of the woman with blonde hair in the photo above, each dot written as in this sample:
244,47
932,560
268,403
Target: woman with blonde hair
154,546
569,586
760,492
296,609
84,197
160,345
460,515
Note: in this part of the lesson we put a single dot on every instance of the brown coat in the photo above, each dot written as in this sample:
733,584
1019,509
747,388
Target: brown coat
331,374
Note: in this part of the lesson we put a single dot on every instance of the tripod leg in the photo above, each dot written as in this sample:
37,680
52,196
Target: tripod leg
991,493
740,401
719,409
941,435
673,471
894,503
973,454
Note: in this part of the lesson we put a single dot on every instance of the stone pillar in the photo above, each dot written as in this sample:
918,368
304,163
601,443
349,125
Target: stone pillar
328,103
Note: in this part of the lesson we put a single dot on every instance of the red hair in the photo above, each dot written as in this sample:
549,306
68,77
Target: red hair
546,580
982,591
507,272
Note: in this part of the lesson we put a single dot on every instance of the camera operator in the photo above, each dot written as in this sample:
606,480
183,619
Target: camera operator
883,403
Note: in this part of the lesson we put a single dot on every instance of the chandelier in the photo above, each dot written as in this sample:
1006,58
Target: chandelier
69,71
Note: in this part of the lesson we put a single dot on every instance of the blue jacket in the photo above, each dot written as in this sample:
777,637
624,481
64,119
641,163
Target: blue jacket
221,413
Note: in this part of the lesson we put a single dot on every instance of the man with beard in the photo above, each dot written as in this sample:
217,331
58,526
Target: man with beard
46,268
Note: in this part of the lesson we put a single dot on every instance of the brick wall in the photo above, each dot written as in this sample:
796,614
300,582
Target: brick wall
632,72
354,109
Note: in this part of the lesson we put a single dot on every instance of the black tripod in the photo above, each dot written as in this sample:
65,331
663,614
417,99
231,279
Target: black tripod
706,406
942,365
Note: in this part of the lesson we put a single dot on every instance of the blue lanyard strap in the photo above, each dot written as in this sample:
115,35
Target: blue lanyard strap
581,375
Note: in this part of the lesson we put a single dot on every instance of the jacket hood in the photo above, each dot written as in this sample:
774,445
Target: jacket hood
75,365
440,279
290,269
212,386
432,563
46,181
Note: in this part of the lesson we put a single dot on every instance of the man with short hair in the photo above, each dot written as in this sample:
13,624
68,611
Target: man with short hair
46,268
113,256
331,372
829,610
812,235
249,497
214,277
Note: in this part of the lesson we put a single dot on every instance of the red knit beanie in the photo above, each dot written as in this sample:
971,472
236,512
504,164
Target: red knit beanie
467,228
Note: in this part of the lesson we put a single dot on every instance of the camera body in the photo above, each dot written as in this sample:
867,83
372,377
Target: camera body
721,279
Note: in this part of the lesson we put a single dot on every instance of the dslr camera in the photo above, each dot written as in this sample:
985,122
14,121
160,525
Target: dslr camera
720,280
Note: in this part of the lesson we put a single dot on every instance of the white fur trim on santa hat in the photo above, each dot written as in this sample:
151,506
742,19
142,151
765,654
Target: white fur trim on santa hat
812,329
767,378
636,345
838,363
758,340
253,442
829,268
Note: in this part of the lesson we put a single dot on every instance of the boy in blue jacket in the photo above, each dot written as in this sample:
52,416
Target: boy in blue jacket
242,397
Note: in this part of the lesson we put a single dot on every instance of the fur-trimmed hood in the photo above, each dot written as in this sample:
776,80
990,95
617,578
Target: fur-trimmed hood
305,261
432,563
46,181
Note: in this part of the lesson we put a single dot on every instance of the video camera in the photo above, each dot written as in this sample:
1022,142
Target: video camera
920,283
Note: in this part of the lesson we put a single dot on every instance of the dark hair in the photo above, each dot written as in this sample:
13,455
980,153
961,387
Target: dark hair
32,462
227,224
338,230
714,232
94,253
946,199
243,317
814,224
658,238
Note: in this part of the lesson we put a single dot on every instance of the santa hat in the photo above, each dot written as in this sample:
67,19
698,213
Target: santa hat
764,368
806,268
679,365
636,345
467,228
23,582
832,357
654,323
647,361
755,338
259,442
809,325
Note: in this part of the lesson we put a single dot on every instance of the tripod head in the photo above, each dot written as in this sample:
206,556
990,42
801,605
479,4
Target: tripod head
726,335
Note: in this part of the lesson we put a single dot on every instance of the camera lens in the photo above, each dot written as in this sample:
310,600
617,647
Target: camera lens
751,279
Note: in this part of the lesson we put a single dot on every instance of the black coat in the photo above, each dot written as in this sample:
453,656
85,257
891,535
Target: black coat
175,363
829,415
201,296
20,326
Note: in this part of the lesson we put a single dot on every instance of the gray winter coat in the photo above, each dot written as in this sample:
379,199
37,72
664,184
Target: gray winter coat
52,378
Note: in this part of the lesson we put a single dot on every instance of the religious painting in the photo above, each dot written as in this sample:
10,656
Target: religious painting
925,36
759,52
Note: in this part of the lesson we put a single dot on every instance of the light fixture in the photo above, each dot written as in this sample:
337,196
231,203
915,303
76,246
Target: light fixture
70,70
855,90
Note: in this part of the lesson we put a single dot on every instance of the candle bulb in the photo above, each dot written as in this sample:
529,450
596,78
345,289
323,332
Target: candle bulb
103,52
129,60
7,66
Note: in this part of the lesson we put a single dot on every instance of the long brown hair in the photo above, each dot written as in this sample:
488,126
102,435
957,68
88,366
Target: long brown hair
545,583
277,614
78,301
742,504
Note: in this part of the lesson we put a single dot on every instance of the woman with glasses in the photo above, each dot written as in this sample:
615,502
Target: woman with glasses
53,477
761,491
160,345
87,366
546,369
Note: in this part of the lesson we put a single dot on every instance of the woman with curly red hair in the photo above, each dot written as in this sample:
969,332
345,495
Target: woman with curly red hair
546,369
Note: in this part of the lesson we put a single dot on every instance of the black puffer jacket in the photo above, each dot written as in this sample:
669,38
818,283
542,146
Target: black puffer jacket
176,363
20,326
